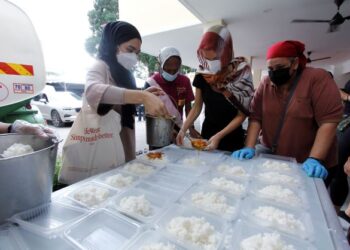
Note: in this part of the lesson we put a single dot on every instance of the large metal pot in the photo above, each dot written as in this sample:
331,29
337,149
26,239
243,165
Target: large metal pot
159,130
26,181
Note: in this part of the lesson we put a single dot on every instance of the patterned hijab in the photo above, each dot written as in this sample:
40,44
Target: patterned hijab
234,80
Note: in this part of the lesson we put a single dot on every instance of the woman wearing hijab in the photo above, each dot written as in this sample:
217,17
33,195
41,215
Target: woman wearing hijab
224,85
111,85
296,109
177,87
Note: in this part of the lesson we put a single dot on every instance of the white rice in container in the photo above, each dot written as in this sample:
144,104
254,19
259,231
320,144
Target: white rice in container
119,180
212,202
227,185
158,246
279,218
265,241
232,170
138,168
281,194
91,195
17,149
137,205
195,230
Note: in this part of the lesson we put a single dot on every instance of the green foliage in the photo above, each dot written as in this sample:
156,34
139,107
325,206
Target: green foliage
58,167
104,11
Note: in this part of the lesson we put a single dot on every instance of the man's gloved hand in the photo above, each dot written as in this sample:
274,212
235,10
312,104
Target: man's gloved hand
23,127
244,153
314,168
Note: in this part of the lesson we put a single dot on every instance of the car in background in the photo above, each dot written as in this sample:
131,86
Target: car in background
59,107
77,88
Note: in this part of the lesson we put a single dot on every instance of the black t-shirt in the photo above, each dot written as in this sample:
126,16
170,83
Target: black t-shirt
219,112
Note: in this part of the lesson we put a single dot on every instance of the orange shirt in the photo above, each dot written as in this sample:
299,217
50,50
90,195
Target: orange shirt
316,100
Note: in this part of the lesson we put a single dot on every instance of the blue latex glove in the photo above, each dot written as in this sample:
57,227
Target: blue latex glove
244,153
314,168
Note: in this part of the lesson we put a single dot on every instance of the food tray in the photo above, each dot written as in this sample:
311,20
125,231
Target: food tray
111,192
242,230
151,237
178,210
289,162
233,168
251,203
102,230
291,179
176,170
232,202
50,219
154,162
158,204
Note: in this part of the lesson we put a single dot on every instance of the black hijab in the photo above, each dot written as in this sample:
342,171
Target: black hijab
114,34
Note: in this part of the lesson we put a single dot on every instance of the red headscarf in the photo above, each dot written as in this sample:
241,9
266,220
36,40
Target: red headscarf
288,49
217,38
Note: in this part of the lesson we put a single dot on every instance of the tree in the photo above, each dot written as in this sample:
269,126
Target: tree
104,11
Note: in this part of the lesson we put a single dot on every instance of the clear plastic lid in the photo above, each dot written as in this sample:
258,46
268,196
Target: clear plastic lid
8,240
292,179
269,162
212,201
246,237
50,219
178,223
102,230
37,242
153,238
140,168
139,204
231,167
182,172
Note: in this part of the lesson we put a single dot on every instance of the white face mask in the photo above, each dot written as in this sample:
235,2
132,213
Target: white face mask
127,60
214,66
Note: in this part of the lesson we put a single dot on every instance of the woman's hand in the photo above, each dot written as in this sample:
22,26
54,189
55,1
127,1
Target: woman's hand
180,138
155,91
153,105
213,142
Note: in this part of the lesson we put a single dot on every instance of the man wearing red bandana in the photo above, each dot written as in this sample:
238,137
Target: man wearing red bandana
296,110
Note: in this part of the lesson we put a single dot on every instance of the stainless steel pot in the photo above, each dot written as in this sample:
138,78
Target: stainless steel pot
26,181
159,130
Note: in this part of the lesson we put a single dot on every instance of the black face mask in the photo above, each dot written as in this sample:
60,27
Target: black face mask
279,76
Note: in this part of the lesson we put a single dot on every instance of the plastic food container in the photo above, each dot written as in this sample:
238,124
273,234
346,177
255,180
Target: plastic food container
242,230
50,219
102,230
163,192
157,205
36,242
95,200
291,198
201,159
181,211
305,231
134,168
169,181
235,186
151,237
8,240
233,203
107,179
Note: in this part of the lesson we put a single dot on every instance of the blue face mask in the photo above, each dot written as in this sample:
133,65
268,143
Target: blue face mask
168,77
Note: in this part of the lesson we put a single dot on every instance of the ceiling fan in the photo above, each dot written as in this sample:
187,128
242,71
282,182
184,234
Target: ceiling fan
334,23
309,60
